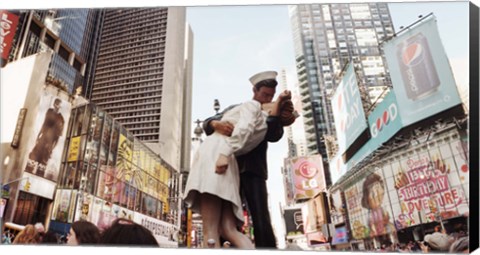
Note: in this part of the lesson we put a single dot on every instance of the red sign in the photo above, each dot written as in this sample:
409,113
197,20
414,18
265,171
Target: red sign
8,26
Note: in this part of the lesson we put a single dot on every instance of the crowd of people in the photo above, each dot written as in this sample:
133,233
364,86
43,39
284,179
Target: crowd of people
436,242
120,232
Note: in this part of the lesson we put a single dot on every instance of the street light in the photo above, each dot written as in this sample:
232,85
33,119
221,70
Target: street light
216,105
198,131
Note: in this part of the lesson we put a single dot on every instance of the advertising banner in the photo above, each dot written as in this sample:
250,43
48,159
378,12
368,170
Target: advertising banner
384,122
162,231
340,236
308,176
421,74
287,182
74,149
293,222
8,27
337,210
429,187
337,167
47,136
347,107
124,158
356,213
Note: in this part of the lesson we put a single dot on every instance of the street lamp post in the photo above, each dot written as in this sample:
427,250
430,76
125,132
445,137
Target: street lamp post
216,105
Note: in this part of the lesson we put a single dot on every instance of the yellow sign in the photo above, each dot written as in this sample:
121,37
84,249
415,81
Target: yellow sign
74,149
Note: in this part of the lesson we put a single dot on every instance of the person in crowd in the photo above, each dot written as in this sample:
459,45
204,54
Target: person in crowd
436,242
226,244
252,163
50,237
127,232
211,243
83,233
28,235
461,245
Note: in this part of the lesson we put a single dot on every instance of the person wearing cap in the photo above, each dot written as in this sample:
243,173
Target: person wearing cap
436,242
253,165
213,183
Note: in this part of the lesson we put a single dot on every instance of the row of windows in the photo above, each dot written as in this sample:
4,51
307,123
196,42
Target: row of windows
115,65
135,25
126,51
139,83
137,42
127,78
125,39
117,93
126,16
133,58
131,70
124,105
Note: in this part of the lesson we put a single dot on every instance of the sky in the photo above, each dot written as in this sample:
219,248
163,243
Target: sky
233,43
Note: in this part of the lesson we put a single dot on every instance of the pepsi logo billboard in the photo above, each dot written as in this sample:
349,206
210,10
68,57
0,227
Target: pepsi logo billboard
420,72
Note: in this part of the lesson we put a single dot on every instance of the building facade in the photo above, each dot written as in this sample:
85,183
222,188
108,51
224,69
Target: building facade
143,76
72,34
326,38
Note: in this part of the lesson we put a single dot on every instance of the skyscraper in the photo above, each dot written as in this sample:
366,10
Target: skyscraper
143,78
326,38
70,33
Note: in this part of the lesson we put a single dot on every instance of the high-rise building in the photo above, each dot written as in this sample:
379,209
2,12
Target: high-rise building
72,34
326,38
143,76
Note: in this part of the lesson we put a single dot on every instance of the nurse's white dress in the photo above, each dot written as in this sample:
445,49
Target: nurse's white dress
250,129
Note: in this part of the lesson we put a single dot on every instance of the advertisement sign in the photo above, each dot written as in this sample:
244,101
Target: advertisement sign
308,176
341,236
337,167
74,149
337,210
428,187
3,204
421,74
384,122
293,222
356,212
347,107
38,186
162,231
316,238
47,136
8,27
287,182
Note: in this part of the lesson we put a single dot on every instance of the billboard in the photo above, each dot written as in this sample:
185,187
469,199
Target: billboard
8,26
293,222
421,74
340,236
430,184
47,135
384,122
307,175
347,107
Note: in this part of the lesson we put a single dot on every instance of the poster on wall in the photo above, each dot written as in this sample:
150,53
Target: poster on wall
47,138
